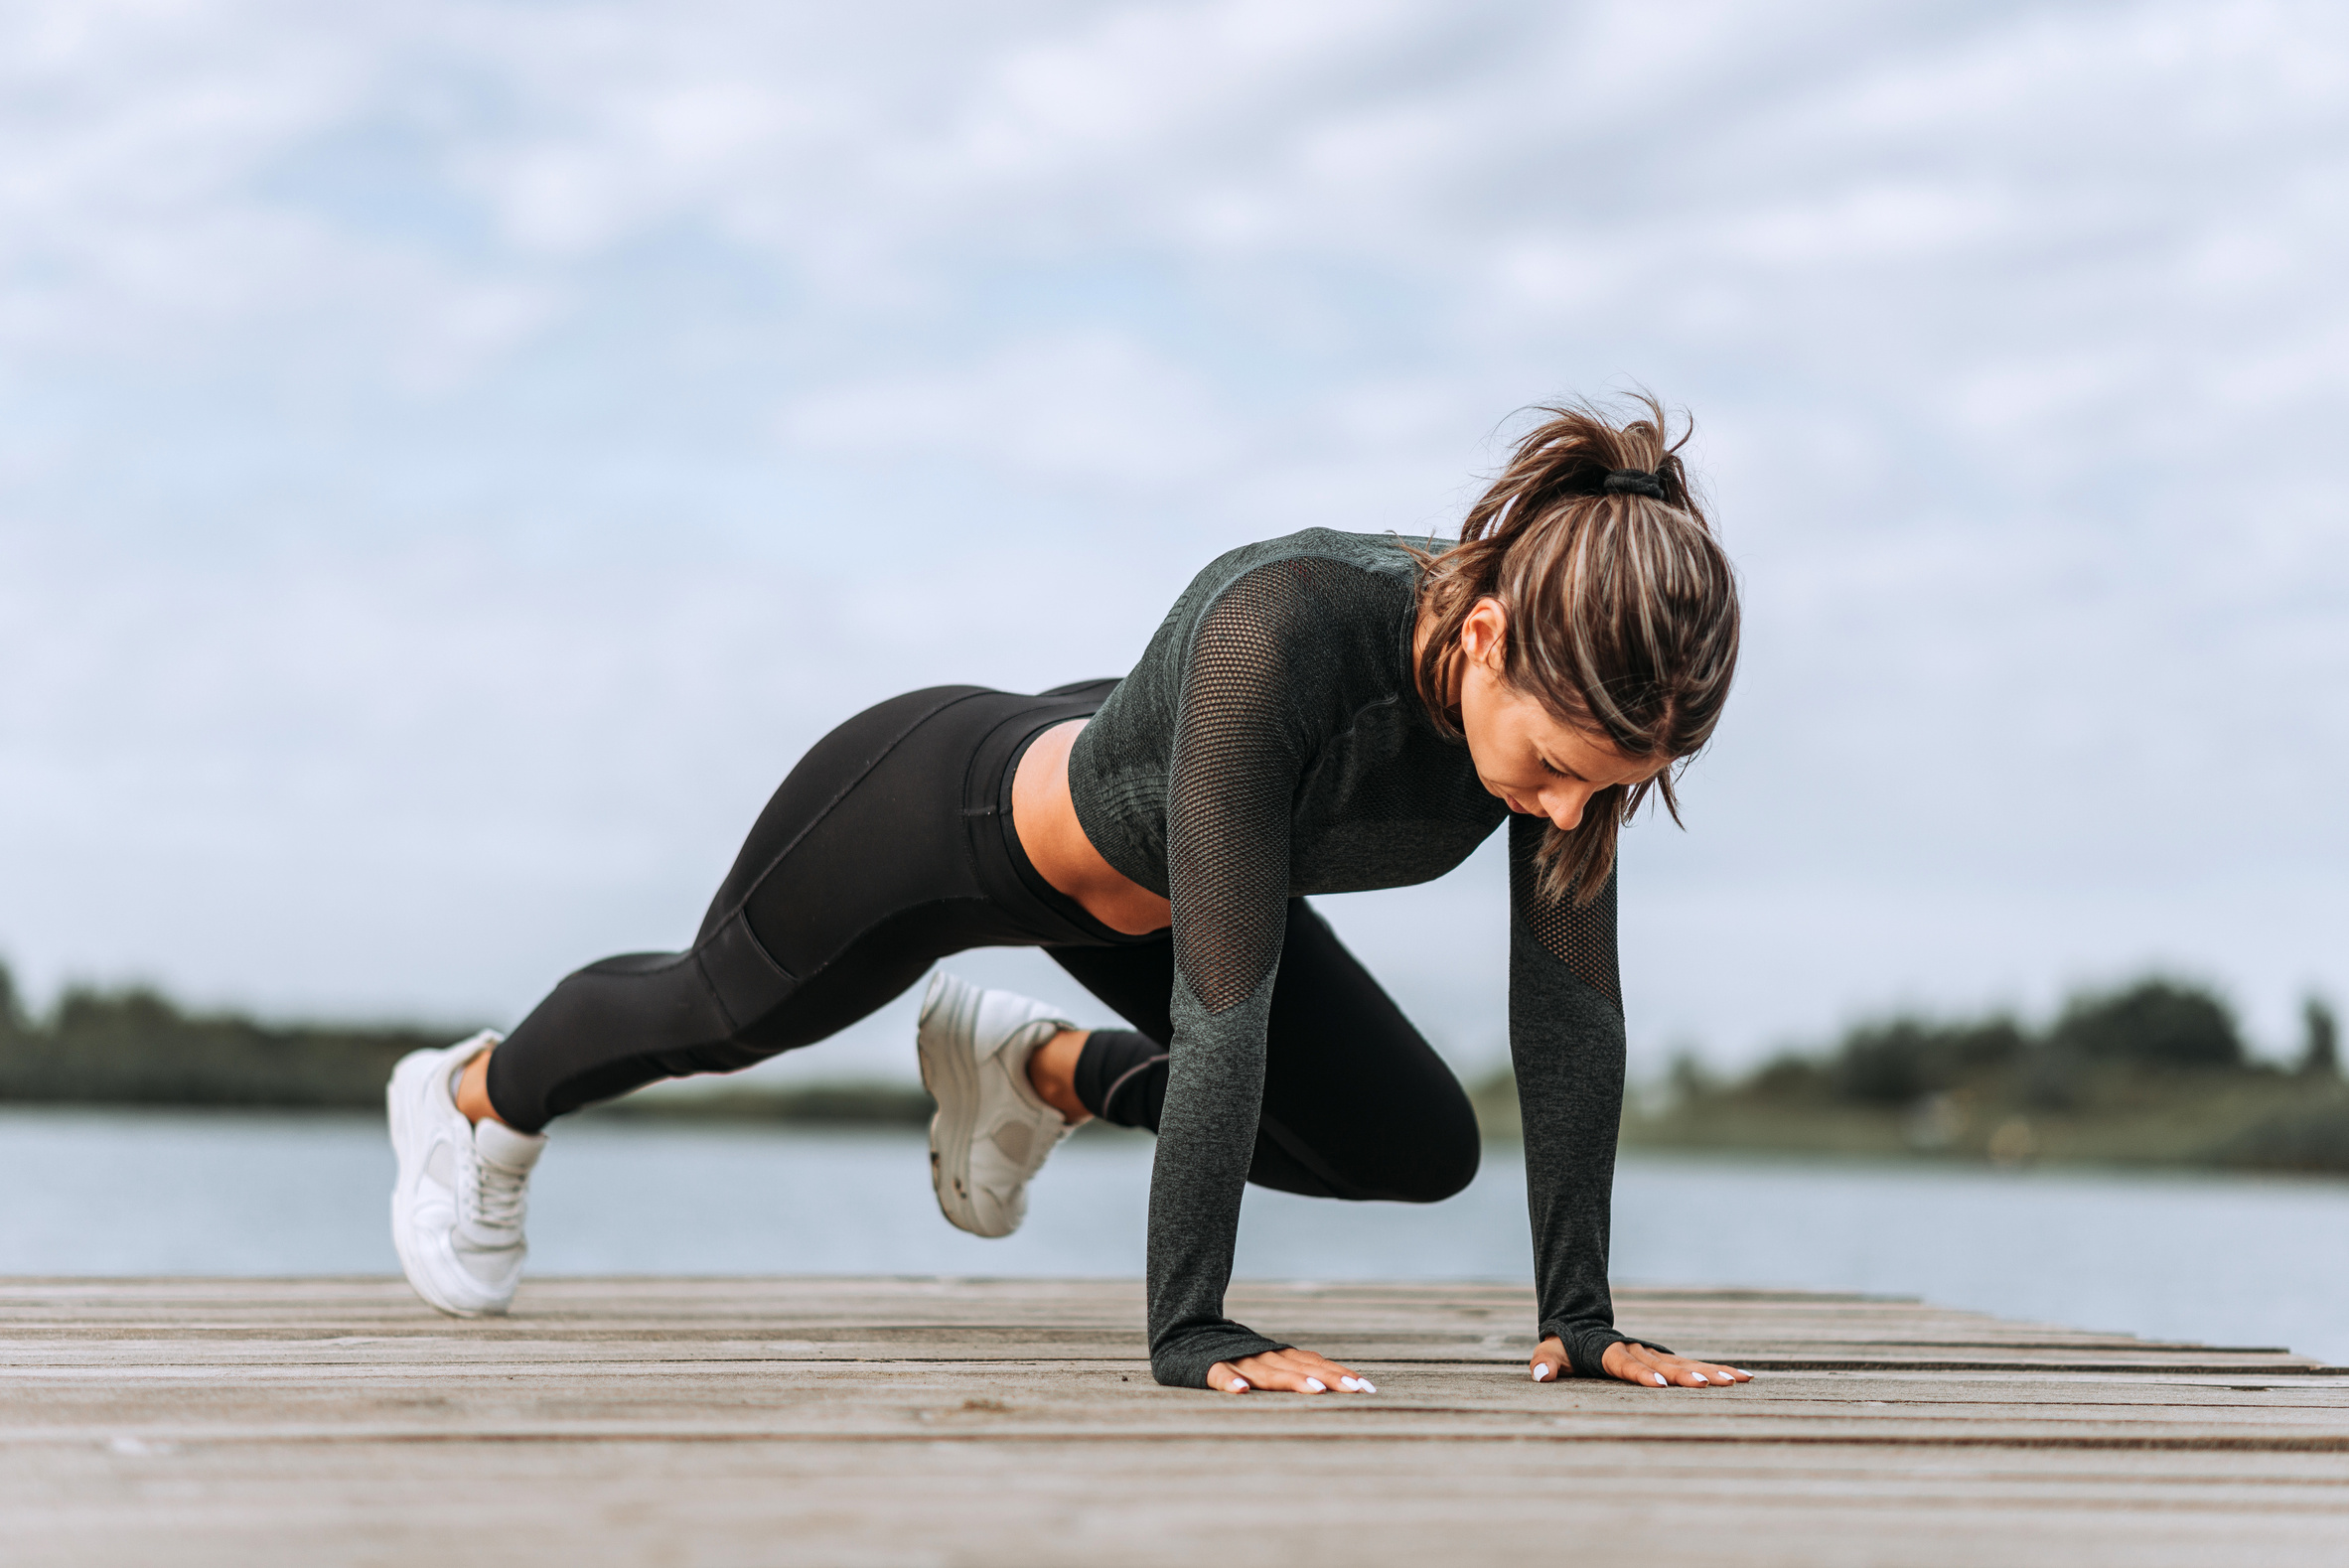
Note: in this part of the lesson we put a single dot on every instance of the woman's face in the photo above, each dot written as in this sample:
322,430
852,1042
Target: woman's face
1535,762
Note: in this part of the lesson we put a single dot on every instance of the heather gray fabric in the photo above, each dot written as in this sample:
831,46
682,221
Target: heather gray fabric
1269,745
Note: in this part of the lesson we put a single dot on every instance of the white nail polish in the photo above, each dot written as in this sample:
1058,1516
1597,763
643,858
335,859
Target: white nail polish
1368,1387
1659,1376
1350,1383
1314,1385
1700,1377
1237,1385
1542,1372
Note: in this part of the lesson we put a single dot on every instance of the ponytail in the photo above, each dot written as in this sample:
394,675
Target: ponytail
1622,610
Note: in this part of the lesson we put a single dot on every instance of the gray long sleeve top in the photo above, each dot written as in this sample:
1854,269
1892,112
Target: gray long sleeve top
1271,743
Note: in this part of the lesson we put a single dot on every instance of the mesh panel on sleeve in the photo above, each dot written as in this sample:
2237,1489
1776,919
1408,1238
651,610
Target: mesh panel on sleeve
1584,940
1237,760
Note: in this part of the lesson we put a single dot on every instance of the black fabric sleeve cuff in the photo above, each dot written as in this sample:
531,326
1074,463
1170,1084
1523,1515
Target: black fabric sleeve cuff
1184,1364
1586,1344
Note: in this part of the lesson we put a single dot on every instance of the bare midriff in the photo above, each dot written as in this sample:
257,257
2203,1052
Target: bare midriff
1045,818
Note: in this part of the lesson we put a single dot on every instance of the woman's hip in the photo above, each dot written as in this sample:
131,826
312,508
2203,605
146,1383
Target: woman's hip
900,808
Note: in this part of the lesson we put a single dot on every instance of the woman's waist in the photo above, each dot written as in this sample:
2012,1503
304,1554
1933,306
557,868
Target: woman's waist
1054,850
1012,726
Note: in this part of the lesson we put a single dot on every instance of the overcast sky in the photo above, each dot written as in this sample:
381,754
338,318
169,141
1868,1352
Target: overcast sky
455,457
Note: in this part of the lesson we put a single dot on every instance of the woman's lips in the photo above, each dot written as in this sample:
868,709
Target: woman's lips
1510,800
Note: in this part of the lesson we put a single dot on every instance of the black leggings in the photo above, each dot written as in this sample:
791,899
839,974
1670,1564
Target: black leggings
890,847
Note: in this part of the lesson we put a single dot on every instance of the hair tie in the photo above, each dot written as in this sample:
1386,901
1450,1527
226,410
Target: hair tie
1633,481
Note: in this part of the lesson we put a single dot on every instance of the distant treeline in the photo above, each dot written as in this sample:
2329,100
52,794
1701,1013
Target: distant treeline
2154,1073
132,1045
2151,1072
2155,1027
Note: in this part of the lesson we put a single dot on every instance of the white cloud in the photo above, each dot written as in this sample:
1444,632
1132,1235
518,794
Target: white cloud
1094,407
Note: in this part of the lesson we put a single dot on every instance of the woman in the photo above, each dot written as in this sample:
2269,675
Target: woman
1319,713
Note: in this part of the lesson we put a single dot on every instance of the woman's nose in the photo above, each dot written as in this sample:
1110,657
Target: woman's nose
1564,806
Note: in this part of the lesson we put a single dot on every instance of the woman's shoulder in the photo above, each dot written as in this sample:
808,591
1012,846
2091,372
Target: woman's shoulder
1318,606
1321,614
1381,555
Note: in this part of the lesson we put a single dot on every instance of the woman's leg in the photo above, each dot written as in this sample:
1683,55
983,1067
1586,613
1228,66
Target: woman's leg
1357,1103
855,878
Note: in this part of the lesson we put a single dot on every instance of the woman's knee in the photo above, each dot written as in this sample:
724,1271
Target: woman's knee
1443,1152
1433,1159
1436,1153
1453,1155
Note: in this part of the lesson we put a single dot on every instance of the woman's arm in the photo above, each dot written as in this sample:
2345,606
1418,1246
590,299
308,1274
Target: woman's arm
1566,1041
1237,754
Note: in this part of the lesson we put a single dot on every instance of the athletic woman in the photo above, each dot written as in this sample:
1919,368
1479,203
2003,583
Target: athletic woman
1320,713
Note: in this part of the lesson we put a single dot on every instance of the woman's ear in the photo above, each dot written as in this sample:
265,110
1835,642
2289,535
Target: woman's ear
1484,633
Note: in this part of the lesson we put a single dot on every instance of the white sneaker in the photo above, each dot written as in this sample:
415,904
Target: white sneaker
992,1132
457,1206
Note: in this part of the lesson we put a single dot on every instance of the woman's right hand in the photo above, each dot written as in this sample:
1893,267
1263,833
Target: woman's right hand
1287,1371
1636,1363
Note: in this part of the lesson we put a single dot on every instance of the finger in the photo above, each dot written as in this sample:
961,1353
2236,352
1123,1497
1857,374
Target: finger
1549,1360
1321,1370
1671,1372
1644,1366
1269,1372
1287,1380
1344,1378
1636,1363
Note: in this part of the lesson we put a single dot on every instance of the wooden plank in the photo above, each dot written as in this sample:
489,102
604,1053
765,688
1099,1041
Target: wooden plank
748,1421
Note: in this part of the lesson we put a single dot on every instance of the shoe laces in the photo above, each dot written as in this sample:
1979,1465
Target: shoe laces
491,1196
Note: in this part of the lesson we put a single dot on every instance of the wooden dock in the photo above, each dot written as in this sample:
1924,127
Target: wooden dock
742,1422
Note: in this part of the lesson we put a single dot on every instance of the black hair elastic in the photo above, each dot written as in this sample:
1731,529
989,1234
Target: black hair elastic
1633,481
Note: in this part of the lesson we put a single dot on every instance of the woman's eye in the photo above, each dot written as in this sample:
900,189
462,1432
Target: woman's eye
1551,767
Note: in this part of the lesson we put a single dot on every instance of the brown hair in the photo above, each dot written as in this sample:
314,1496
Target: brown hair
1622,609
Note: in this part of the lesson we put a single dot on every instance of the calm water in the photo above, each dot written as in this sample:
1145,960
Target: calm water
2235,1261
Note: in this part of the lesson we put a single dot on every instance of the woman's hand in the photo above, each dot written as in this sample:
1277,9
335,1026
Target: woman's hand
1636,1363
1289,1372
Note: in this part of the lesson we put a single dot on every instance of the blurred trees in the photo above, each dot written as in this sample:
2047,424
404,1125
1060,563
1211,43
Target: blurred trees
2321,1050
1892,1063
134,1047
2154,1071
2154,1025
2160,1049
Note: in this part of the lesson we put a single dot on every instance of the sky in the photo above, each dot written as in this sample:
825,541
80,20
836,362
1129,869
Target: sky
455,457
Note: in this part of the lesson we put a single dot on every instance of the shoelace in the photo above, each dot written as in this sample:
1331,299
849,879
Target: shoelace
490,1196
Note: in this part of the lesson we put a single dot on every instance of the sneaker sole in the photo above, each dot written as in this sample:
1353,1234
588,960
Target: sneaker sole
951,1077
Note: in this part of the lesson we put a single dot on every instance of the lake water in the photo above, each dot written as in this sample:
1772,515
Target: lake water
2219,1259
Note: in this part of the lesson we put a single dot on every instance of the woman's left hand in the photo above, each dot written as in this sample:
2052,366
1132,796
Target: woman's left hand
1636,1363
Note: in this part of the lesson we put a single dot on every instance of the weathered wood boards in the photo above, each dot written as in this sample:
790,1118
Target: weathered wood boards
739,1422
